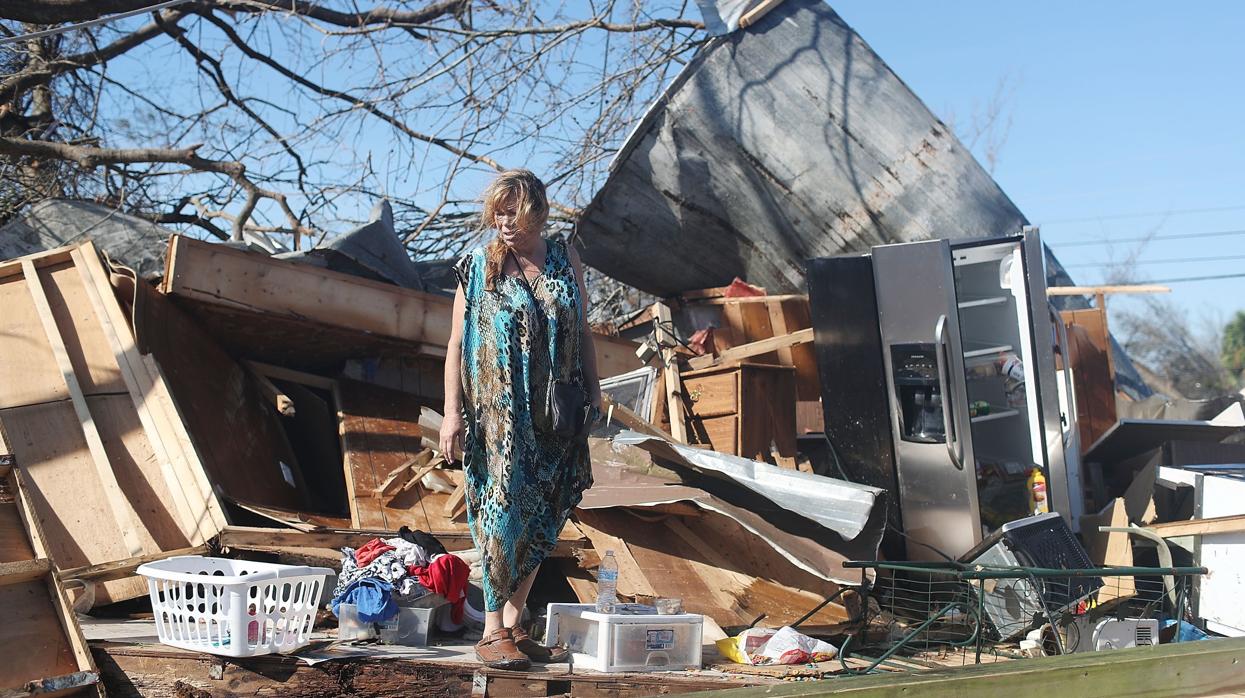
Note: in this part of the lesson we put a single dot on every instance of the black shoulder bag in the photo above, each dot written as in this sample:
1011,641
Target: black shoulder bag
565,408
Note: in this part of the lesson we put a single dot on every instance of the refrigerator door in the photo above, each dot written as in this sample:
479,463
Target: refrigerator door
923,357
1062,463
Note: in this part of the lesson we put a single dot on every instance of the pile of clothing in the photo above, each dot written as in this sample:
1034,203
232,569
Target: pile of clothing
384,574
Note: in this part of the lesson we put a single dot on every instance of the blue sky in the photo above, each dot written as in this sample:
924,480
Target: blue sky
1117,110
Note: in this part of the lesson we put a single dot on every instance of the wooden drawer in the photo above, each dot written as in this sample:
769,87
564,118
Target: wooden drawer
718,433
713,395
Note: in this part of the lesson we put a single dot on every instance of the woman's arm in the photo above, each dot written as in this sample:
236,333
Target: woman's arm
451,437
589,352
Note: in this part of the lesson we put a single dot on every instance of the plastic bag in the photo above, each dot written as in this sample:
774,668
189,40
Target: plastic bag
739,649
768,646
790,646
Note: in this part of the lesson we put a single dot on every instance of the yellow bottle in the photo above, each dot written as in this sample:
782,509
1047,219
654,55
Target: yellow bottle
1037,492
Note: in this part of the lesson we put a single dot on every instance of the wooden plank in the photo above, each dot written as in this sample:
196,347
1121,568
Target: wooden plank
1100,290
123,513
404,473
632,581
1176,669
752,349
23,571
28,373
13,267
615,355
184,478
254,283
245,537
120,569
155,670
35,615
1200,527
670,370
631,420
779,327
457,503
722,300
1091,362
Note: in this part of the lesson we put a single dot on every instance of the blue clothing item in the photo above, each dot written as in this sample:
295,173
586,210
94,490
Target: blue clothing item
372,597
522,481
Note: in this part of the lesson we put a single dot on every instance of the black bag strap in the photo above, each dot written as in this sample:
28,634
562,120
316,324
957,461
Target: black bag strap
544,323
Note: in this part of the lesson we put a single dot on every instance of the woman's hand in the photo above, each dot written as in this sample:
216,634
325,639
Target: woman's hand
451,438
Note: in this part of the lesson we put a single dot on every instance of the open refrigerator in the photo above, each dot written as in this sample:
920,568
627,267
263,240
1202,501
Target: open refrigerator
939,384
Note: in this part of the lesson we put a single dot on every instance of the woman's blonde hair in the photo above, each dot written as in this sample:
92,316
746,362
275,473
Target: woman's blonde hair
531,207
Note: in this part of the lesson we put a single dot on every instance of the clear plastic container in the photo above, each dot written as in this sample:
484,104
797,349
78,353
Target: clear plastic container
626,641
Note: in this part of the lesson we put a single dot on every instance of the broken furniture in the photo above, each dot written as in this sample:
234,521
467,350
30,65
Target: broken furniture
745,410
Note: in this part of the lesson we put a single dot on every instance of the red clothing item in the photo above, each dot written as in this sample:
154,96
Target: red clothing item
447,576
370,550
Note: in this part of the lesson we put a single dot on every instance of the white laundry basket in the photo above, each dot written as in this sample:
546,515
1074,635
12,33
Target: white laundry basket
234,608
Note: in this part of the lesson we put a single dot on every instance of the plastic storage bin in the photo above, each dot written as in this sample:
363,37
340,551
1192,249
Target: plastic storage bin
234,608
411,627
612,642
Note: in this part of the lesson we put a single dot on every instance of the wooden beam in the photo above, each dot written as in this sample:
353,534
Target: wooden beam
244,537
39,259
751,349
289,374
722,300
670,371
1103,290
1178,669
121,569
122,511
631,420
216,275
23,570
1200,527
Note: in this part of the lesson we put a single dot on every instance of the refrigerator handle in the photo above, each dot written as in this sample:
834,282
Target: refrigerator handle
954,447
1061,333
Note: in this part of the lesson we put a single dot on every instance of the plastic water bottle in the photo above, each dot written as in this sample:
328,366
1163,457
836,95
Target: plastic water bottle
607,583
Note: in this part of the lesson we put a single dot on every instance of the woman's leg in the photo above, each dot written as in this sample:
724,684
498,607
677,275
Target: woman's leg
512,612
492,622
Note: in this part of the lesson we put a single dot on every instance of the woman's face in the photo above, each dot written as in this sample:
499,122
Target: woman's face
508,227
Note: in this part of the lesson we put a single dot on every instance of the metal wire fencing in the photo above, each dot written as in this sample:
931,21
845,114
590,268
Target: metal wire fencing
970,611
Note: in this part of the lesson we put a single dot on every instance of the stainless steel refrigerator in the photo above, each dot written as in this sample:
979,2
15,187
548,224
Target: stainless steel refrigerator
939,383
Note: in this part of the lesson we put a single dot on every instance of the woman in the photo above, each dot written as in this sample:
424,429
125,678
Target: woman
504,349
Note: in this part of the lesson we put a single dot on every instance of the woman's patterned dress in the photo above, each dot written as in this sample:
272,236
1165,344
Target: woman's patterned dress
521,483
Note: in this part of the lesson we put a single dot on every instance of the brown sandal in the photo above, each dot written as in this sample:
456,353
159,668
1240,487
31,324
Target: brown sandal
498,651
541,654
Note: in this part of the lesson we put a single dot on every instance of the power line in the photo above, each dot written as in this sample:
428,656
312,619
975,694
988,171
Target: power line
90,23
1194,278
1121,216
1147,238
1178,260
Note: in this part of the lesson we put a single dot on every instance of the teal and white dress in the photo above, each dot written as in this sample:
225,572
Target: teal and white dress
521,482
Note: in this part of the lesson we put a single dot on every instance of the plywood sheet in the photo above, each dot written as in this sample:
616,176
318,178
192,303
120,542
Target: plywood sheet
94,364
28,372
68,499
235,434
37,647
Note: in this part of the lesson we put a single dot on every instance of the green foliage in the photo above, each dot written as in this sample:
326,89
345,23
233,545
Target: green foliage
1233,351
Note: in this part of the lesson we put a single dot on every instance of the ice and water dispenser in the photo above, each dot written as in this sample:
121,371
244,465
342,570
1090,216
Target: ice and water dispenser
918,393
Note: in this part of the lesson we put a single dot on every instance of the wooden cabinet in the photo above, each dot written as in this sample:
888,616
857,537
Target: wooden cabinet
746,409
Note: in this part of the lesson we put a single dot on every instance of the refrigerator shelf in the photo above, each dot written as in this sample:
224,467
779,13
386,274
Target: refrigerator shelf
970,302
977,350
995,413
